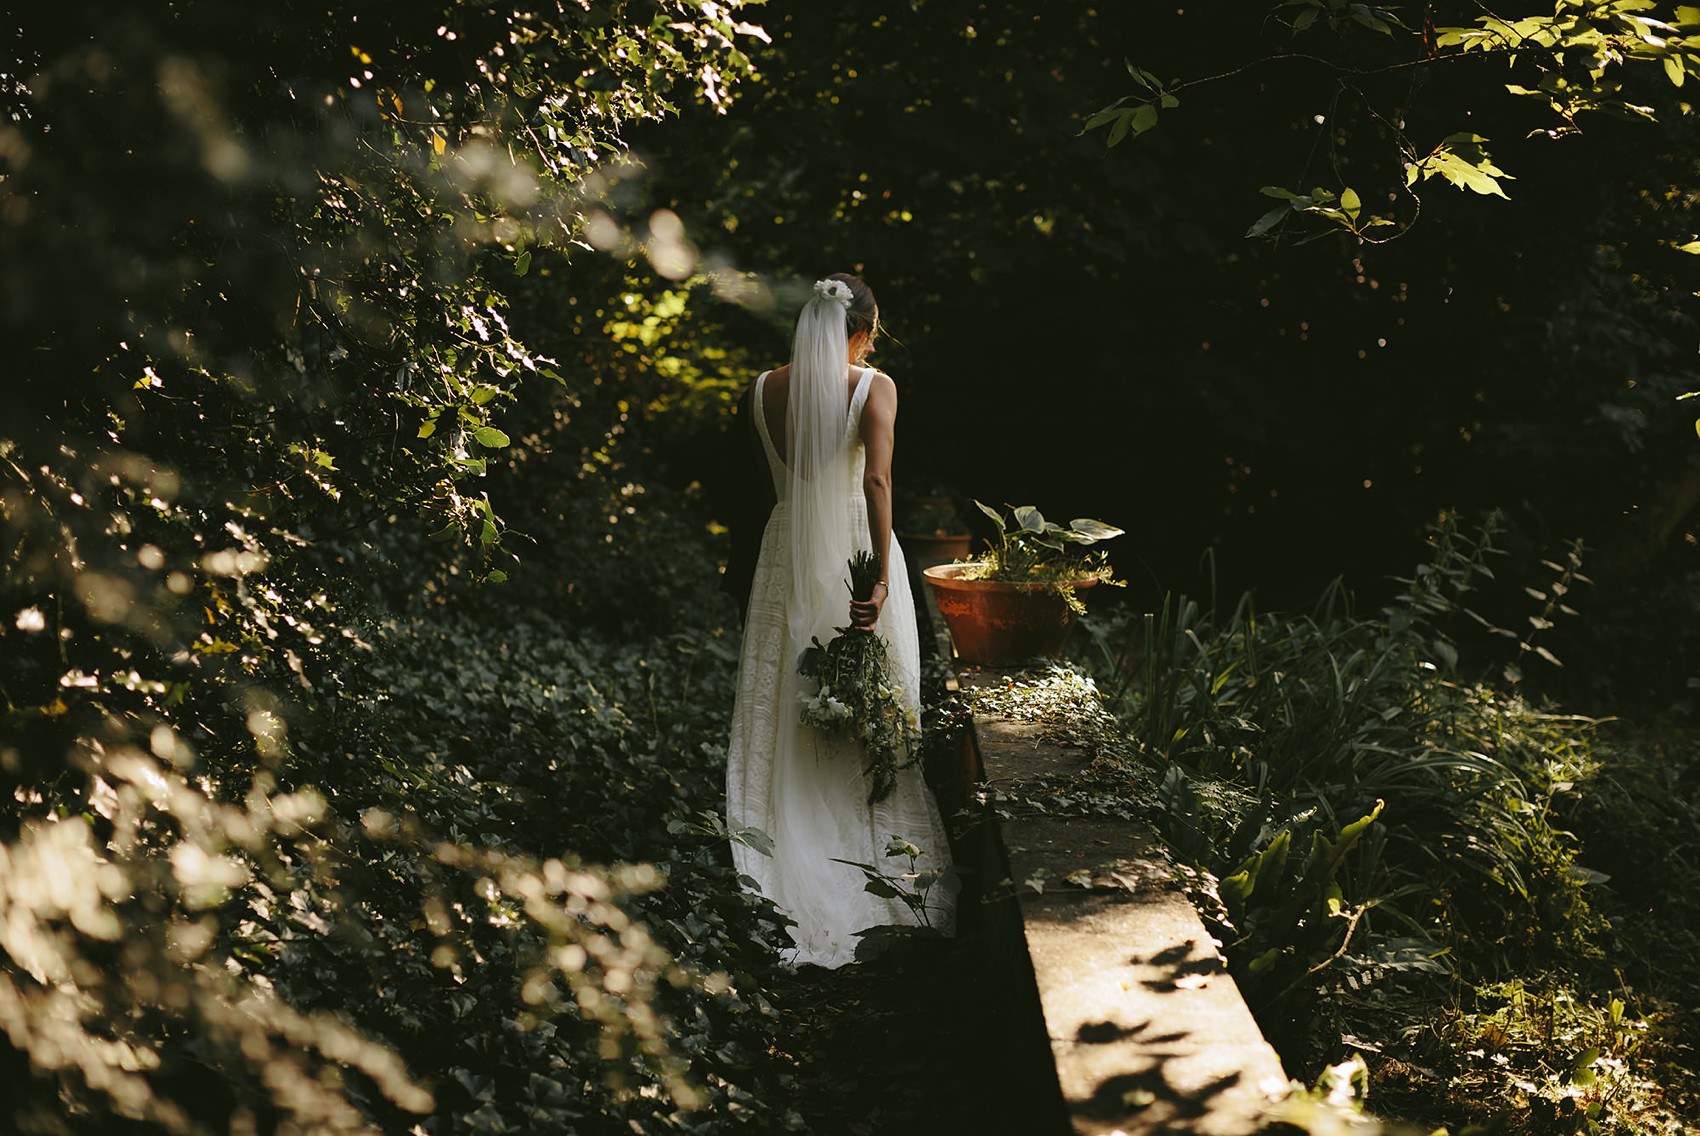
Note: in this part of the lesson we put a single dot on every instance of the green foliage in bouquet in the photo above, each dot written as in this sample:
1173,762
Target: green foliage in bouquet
858,695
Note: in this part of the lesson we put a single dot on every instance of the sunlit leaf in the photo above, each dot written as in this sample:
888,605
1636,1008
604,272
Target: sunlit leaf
1029,518
1349,202
1094,530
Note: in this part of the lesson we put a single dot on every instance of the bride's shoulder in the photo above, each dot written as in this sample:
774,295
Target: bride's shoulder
880,383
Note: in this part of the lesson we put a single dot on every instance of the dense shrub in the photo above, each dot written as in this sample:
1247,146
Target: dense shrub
502,719
252,273
1383,833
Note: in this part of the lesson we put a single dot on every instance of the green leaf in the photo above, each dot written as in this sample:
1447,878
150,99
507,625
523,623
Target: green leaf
483,393
1094,530
1101,118
1142,77
1030,519
496,576
1169,102
897,846
428,427
1673,69
1268,221
1119,130
1144,118
1363,15
1461,160
488,534
754,838
1349,202
490,436
522,263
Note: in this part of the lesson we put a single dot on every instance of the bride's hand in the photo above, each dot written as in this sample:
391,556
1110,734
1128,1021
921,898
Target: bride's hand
865,613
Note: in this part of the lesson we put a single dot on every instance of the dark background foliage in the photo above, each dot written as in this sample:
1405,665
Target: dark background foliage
1089,329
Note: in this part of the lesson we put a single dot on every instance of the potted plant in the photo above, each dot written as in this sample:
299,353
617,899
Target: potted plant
1022,596
933,531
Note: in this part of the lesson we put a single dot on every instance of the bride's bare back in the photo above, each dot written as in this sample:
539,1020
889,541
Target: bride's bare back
878,429
776,393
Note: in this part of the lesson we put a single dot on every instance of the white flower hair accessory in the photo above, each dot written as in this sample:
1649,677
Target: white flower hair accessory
834,290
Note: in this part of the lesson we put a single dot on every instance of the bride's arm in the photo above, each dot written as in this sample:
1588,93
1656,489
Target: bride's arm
879,422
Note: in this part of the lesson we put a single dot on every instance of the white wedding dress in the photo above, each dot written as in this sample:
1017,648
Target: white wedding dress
809,790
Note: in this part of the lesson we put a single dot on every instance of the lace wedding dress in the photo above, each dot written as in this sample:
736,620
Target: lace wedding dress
809,790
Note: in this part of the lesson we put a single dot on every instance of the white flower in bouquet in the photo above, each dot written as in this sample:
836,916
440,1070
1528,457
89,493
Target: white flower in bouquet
858,694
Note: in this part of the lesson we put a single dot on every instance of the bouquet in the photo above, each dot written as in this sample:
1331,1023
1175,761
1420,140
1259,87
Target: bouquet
858,695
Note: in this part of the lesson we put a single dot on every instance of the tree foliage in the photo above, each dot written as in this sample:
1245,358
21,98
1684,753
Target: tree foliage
1581,57
1317,394
253,270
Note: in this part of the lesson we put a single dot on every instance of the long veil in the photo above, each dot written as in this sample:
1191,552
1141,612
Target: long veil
816,426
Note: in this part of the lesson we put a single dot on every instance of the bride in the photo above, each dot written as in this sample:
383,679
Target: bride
826,426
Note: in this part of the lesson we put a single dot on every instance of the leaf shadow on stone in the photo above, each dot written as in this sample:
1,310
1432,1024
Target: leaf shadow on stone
1127,1095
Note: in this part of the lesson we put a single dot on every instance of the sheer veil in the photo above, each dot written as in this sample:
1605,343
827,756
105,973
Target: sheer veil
817,427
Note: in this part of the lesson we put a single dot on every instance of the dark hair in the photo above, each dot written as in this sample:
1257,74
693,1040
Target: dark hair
864,309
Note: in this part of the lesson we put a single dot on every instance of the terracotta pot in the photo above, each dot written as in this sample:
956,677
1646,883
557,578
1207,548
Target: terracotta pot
997,621
927,549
